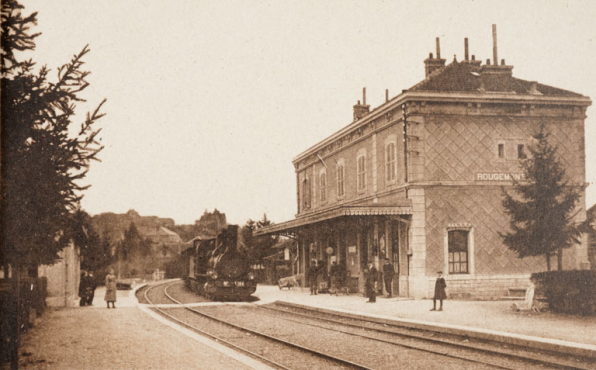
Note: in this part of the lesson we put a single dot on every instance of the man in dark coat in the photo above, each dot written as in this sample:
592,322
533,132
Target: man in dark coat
440,294
388,274
313,274
83,284
92,285
371,283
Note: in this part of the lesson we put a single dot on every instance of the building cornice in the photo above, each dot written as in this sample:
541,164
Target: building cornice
444,97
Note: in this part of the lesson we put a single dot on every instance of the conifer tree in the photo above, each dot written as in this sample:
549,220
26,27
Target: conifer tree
542,207
43,163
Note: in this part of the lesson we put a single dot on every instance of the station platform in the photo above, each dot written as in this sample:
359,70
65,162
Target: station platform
94,337
490,319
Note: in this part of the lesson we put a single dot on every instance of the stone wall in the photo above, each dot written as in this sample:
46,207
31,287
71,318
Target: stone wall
481,287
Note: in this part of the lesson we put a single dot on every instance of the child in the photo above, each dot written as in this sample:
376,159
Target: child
440,294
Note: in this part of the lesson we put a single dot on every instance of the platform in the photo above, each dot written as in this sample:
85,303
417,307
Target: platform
484,316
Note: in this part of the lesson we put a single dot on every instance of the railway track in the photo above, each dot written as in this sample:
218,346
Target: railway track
320,359
474,353
437,345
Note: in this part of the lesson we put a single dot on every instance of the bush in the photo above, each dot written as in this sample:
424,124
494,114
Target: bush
572,291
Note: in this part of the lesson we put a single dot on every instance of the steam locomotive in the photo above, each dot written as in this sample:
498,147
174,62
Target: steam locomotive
216,268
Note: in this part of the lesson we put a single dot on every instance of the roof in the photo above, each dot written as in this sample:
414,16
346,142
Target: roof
471,77
404,208
464,81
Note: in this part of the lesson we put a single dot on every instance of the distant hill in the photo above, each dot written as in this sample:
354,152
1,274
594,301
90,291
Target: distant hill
113,225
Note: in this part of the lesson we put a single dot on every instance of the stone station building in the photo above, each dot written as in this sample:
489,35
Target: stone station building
419,179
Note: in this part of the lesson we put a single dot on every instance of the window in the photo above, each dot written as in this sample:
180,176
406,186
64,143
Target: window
521,153
361,172
323,186
305,194
390,163
340,180
501,150
457,241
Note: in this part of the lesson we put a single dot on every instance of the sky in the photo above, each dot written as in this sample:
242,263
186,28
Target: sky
208,102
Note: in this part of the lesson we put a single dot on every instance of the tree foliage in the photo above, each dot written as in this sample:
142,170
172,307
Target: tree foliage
96,252
43,162
257,247
542,207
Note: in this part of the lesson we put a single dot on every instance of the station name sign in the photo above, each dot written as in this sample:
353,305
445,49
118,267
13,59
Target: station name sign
496,176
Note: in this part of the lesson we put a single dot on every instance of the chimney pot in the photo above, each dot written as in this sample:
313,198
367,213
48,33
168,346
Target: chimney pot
438,49
473,57
466,49
488,62
502,62
430,55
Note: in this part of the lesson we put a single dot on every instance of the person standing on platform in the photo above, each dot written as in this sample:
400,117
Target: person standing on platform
83,289
333,274
92,286
440,294
313,274
371,283
388,274
111,289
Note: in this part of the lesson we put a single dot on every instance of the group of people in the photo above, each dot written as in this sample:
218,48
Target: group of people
337,278
317,271
372,287
88,285
87,288
372,280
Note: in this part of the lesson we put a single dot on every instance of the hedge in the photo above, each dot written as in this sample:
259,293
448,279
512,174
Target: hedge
569,291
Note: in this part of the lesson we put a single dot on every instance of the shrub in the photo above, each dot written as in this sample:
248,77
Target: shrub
572,291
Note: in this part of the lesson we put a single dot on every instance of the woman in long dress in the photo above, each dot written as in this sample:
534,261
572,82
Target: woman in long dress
110,289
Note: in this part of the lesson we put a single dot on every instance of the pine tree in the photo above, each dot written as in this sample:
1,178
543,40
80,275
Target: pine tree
257,247
542,208
42,164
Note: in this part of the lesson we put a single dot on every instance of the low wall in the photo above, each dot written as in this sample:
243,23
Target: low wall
481,287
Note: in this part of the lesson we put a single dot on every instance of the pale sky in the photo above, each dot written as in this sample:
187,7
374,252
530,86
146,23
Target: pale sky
209,101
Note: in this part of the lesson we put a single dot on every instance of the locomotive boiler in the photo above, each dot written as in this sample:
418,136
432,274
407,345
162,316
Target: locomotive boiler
218,270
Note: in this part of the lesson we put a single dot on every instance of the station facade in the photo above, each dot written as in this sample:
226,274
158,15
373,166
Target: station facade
419,179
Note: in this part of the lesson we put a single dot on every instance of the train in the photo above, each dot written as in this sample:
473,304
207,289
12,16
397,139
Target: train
217,269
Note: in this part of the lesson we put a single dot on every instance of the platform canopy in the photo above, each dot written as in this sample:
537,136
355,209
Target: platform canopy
403,208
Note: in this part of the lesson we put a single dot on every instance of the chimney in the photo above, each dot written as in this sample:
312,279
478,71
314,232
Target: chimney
431,64
361,110
495,54
386,95
495,68
466,54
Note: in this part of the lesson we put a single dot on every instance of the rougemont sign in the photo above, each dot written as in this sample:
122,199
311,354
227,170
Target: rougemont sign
484,176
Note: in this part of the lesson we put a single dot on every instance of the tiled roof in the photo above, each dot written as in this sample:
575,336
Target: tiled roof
469,77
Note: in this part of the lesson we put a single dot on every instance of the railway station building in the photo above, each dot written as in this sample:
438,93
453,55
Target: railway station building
418,180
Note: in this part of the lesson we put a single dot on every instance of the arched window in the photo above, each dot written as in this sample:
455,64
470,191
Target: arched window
390,162
340,179
361,172
305,193
458,249
323,185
